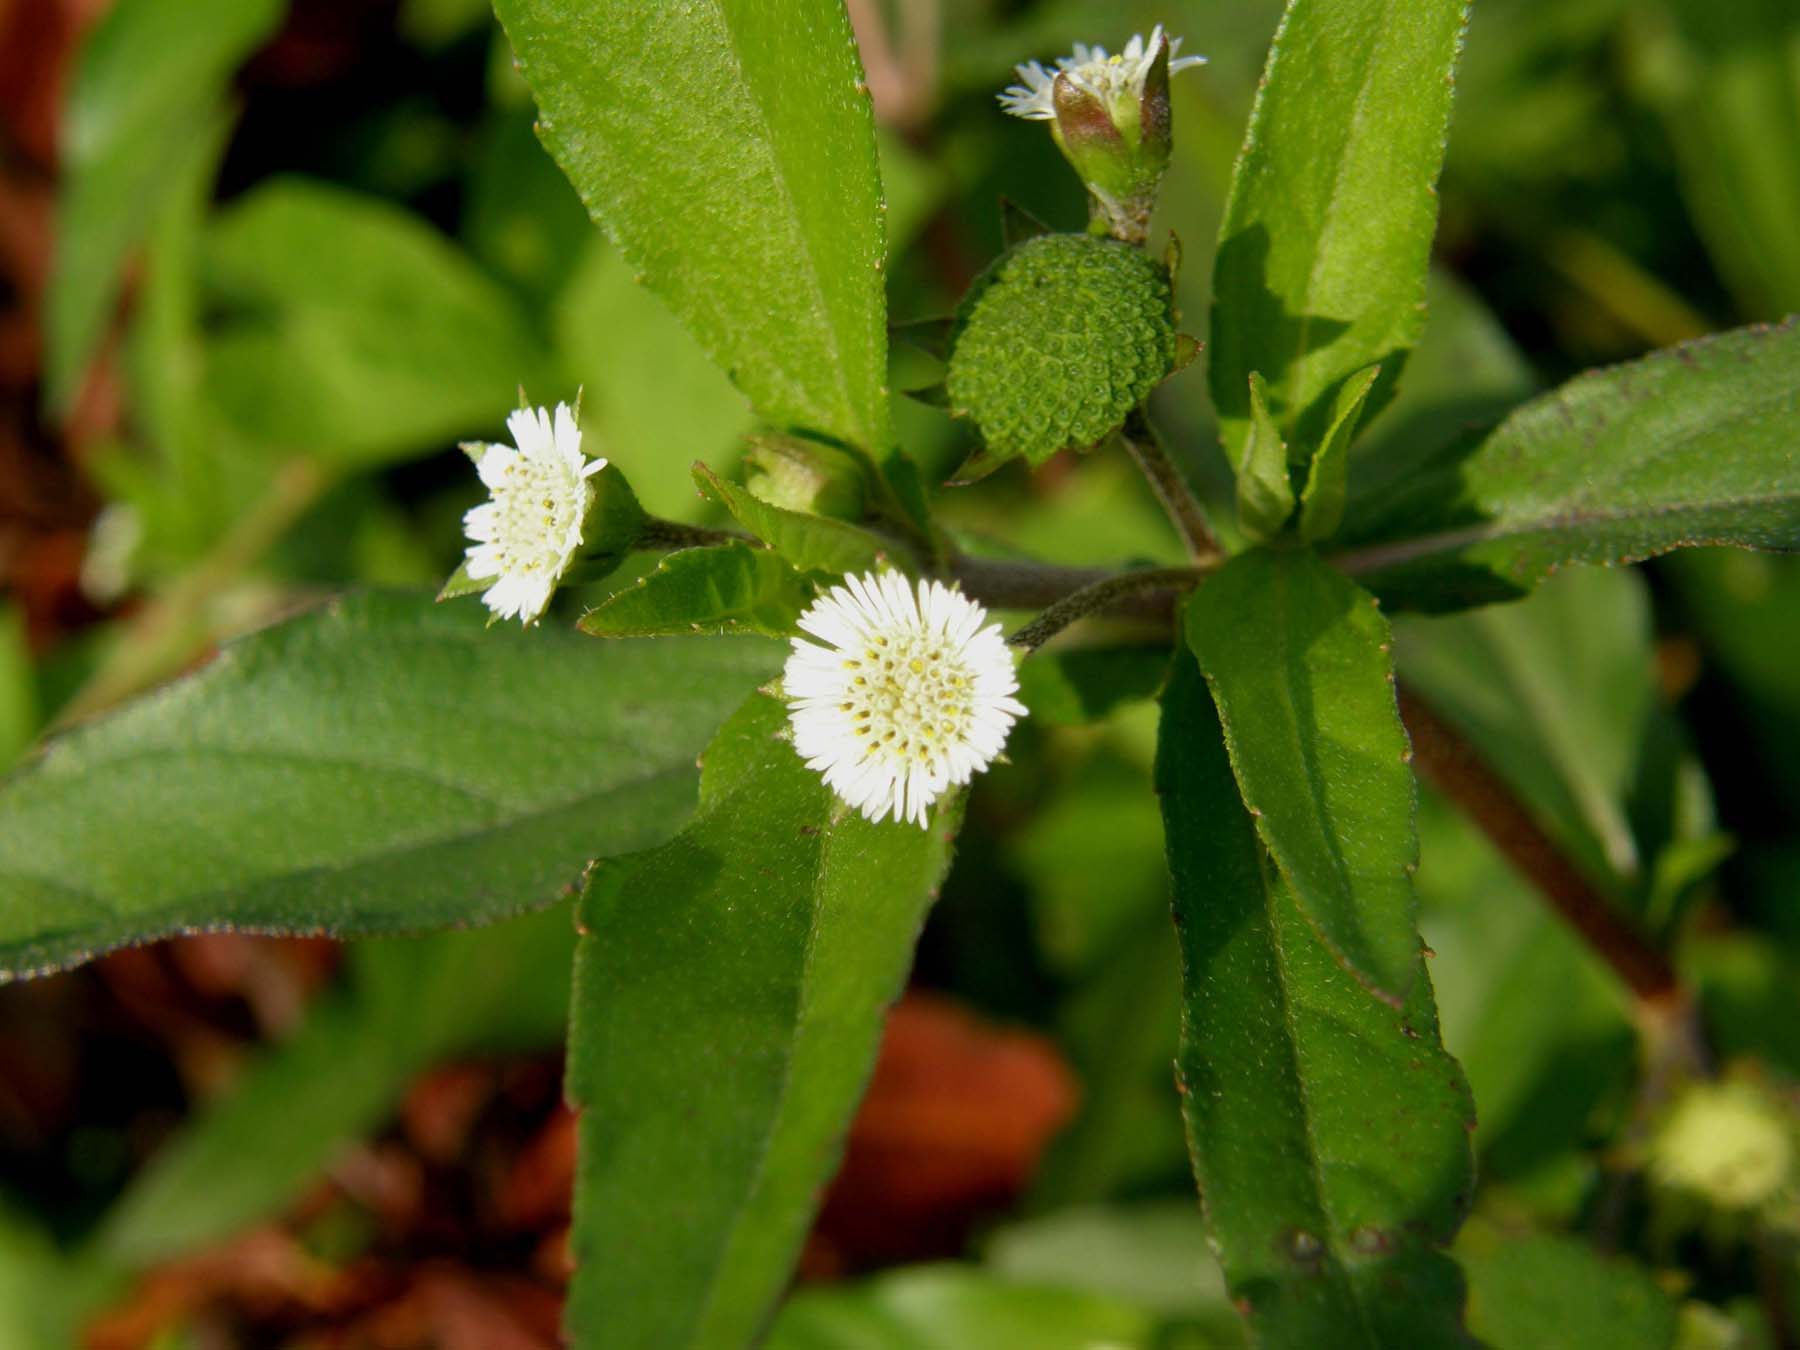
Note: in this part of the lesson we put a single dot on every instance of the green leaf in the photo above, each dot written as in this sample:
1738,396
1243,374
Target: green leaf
651,397
381,764
1558,693
728,147
354,331
1297,660
810,543
1329,1131
1265,494
1730,95
1556,1293
1328,478
149,85
1691,445
732,588
729,995
411,1004
956,1308
1322,254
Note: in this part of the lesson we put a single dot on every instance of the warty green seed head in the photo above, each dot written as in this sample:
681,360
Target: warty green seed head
1058,341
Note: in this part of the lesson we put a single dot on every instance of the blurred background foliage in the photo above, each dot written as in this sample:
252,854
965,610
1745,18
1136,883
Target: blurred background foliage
262,265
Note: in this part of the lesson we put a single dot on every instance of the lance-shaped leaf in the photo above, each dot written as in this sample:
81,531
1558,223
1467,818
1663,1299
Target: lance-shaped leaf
732,588
381,764
1322,253
1297,658
1329,1131
810,543
728,1005
148,89
1692,445
728,147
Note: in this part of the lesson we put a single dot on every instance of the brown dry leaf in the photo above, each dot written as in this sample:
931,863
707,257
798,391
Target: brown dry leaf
957,1116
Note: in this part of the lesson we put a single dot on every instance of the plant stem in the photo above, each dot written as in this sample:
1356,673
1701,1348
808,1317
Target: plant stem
673,534
1157,584
1450,764
1172,490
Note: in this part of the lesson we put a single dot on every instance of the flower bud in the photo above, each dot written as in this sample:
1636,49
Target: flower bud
1110,118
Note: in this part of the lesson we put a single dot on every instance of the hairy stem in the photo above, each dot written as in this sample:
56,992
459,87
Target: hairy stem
673,534
1450,764
1125,592
1172,490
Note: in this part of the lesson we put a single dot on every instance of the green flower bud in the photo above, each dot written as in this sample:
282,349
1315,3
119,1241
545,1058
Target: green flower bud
1058,342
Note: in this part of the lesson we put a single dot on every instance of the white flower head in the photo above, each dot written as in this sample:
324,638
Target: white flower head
909,694
1108,78
529,530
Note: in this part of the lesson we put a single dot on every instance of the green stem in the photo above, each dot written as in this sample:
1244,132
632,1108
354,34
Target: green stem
1171,488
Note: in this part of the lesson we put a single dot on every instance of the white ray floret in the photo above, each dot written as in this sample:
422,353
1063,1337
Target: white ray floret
904,694
529,530
1091,68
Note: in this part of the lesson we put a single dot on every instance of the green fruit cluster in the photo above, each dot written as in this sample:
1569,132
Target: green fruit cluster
1058,341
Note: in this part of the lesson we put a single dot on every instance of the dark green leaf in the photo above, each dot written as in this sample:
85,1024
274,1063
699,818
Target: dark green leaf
1555,1293
1328,1130
1297,659
1327,480
149,86
411,1004
729,999
728,147
1265,494
1322,253
810,543
382,764
356,332
1692,445
731,588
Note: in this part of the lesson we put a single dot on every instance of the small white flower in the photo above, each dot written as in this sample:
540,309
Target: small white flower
529,530
1106,77
909,695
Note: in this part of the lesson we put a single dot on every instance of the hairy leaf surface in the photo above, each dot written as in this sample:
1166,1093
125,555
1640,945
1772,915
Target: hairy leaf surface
382,764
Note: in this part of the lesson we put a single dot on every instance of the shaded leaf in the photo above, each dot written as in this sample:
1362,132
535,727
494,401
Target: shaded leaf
728,1006
1297,660
377,765
1327,232
1328,1130
731,139
1556,1293
1691,445
354,331
1328,477
411,1003
148,87
730,588
1265,495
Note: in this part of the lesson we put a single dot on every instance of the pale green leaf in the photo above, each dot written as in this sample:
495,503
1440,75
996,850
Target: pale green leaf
810,543
353,331
1265,494
1328,477
728,147
149,85
1322,254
